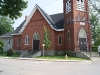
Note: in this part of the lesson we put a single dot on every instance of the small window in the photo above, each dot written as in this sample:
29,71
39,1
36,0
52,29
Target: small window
68,37
26,40
78,17
9,41
59,40
83,18
67,20
70,19
19,42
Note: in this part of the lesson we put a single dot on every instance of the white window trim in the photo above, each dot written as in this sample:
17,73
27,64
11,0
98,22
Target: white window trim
9,40
58,40
27,38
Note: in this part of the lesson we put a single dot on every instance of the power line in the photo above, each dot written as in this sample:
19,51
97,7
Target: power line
49,3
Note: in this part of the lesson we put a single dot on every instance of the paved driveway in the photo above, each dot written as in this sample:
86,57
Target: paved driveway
29,67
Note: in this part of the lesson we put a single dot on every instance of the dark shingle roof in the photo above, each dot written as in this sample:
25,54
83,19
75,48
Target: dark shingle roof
58,19
19,28
48,17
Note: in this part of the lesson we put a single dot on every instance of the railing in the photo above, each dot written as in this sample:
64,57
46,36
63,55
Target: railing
88,52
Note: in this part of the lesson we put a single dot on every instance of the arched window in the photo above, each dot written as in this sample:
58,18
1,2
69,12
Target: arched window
68,37
82,33
59,40
36,36
83,18
67,20
80,5
26,40
78,17
19,41
70,19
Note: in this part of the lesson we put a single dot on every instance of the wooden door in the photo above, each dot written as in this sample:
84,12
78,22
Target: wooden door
82,44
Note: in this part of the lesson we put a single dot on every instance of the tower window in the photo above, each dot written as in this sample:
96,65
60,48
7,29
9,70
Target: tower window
68,37
83,18
78,17
70,19
80,5
68,6
67,20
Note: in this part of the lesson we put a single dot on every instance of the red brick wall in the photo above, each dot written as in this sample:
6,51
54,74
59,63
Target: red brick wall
57,46
74,27
15,39
37,23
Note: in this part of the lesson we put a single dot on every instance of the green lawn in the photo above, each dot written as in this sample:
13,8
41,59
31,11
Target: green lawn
48,57
61,58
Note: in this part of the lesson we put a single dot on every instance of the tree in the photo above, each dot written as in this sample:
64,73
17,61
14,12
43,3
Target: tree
1,46
95,5
12,8
95,28
5,25
47,41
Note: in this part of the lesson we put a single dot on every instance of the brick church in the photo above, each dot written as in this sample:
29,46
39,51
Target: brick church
69,31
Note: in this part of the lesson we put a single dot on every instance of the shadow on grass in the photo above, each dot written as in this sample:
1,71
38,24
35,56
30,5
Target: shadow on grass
14,55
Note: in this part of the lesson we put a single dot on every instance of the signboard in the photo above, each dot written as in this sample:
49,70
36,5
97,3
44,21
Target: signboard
43,44
82,23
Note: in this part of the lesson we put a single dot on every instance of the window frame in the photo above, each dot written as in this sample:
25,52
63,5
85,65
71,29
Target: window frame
27,40
18,42
80,5
68,37
9,42
59,40
68,6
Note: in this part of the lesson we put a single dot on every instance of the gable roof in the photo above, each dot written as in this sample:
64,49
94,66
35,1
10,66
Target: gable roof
6,35
58,19
18,28
46,16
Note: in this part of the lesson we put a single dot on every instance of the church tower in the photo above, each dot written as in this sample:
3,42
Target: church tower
77,26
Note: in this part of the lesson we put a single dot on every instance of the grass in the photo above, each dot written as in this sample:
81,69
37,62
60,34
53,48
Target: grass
14,55
48,57
61,58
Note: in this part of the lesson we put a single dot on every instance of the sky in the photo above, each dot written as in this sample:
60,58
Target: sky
49,6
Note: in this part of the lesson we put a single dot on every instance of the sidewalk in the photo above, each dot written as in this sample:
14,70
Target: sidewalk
95,58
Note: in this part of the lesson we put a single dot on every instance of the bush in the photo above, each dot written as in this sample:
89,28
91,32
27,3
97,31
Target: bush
1,46
10,52
95,48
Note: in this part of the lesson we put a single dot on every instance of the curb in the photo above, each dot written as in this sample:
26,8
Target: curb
37,59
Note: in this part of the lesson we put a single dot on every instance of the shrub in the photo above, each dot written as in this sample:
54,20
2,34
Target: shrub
10,52
94,48
1,46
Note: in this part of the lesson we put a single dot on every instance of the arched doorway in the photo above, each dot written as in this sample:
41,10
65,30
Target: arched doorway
36,41
82,39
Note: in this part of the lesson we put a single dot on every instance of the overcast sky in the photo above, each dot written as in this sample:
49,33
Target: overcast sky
49,6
